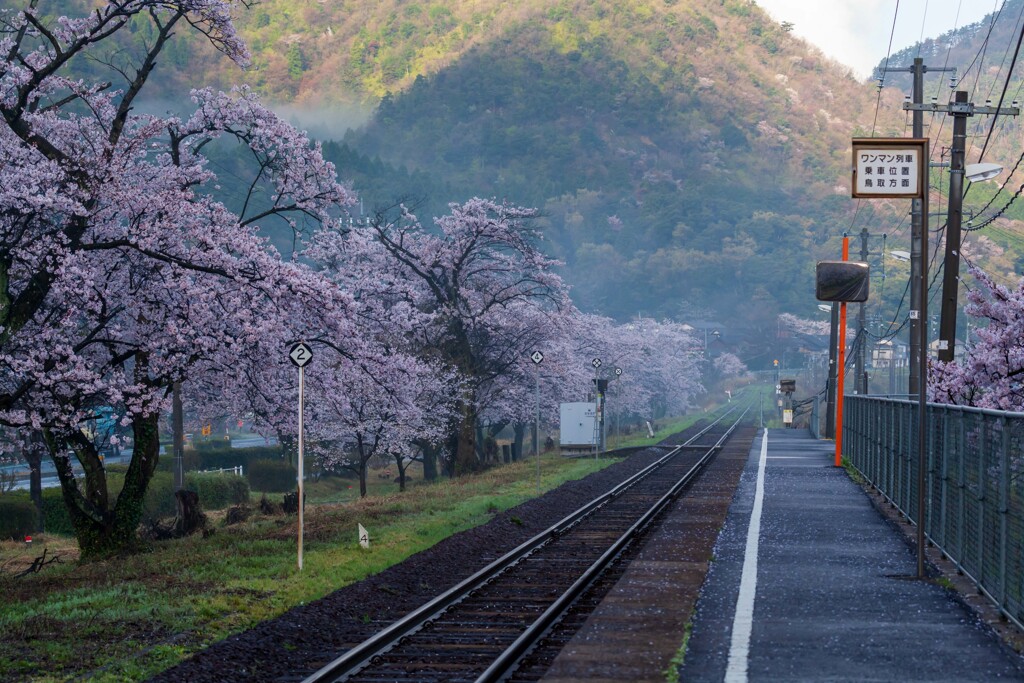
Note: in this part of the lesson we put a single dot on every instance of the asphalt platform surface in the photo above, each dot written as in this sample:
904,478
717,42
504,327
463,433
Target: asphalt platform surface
835,597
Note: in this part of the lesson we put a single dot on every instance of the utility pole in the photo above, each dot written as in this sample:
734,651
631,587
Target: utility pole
918,222
917,227
861,378
960,108
178,439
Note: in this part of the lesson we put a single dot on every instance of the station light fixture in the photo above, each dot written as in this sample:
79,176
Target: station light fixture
977,173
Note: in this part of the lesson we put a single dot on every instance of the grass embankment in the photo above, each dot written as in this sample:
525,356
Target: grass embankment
129,618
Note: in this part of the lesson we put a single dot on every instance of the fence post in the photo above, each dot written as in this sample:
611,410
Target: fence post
1004,503
961,512
982,442
944,479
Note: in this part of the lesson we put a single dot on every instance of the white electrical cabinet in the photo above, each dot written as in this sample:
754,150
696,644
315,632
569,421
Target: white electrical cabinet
576,426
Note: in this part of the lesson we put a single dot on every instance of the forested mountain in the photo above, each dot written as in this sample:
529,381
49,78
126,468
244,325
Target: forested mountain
687,155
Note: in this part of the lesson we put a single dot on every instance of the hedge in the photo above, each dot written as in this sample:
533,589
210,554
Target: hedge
56,519
216,492
272,476
221,457
17,517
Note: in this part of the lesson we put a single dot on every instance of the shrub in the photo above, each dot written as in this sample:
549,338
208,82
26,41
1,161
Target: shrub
225,458
274,476
17,517
218,490
56,519
211,444
159,501
190,459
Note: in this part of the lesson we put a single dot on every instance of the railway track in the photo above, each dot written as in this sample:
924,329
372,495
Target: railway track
481,629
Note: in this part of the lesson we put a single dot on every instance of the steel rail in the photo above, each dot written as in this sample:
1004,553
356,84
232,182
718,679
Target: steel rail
362,655
508,661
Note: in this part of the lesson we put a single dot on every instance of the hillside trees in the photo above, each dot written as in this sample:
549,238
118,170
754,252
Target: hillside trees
118,272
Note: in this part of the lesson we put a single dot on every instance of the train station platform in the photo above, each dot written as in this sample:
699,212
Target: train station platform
811,583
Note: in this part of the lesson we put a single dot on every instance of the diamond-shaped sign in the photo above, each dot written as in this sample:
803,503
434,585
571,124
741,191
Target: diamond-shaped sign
300,354
537,357
596,363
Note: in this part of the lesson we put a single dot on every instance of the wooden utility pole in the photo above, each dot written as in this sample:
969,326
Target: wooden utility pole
178,438
918,224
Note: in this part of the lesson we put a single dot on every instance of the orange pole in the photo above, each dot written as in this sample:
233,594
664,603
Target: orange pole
841,369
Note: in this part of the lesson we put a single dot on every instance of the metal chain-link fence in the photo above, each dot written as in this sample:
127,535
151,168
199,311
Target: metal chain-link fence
974,501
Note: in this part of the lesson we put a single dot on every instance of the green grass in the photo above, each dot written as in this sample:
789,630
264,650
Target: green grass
663,429
672,672
852,472
130,618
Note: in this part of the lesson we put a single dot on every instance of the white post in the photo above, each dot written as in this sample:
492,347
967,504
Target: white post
536,433
300,476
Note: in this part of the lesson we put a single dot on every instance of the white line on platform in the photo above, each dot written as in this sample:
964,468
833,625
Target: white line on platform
743,621
795,457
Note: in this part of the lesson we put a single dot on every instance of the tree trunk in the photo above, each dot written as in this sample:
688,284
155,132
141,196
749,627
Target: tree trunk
520,436
429,461
34,457
478,436
400,466
103,531
190,515
466,461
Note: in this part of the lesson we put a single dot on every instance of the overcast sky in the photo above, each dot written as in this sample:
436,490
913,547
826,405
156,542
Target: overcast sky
856,32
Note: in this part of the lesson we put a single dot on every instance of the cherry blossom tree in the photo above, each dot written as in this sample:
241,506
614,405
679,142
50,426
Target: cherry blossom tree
729,365
119,272
660,363
792,323
472,284
989,374
379,407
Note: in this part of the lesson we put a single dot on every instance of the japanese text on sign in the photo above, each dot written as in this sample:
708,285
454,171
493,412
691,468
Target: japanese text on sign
883,172
887,168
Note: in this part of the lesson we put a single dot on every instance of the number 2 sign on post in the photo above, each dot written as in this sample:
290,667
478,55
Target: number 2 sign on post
300,354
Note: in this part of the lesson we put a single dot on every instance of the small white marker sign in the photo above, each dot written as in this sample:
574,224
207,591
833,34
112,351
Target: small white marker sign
537,357
364,537
300,354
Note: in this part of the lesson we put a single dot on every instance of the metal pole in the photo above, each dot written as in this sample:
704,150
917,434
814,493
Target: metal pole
862,368
178,436
300,475
597,416
830,395
841,370
536,427
951,267
922,399
604,422
536,413
917,238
